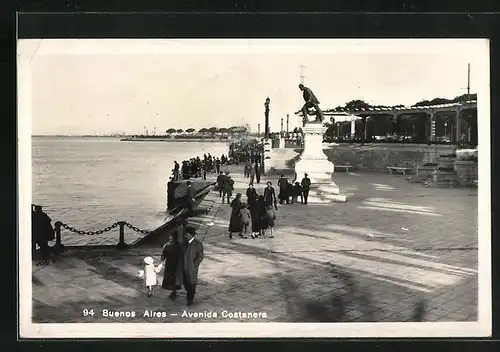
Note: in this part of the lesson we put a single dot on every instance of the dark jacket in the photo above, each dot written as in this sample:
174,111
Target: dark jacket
251,195
221,180
269,196
228,187
306,183
41,227
193,256
309,96
172,255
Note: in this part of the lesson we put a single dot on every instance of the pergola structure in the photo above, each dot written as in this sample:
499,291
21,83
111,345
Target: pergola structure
459,119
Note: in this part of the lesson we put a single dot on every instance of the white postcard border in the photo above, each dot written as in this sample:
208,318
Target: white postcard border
481,328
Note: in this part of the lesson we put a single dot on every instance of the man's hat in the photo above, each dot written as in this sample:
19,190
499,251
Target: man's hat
191,230
37,207
305,174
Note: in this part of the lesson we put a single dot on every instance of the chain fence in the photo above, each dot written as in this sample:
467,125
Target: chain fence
107,229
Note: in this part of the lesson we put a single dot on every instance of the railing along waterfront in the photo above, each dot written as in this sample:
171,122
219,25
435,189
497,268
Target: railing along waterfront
171,216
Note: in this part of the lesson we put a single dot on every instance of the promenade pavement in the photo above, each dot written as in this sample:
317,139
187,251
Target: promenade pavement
393,247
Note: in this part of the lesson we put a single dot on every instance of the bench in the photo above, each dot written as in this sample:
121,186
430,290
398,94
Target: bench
346,167
403,170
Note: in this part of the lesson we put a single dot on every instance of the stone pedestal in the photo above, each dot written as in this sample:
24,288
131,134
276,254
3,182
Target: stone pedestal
319,169
282,143
268,163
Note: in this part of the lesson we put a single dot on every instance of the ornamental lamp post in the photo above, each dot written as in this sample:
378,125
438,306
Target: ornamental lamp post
266,114
258,130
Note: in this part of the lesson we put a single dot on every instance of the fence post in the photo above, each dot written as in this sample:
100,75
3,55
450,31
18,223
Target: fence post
121,244
58,247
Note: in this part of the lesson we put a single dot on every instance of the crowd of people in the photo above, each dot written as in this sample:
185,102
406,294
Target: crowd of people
257,215
197,167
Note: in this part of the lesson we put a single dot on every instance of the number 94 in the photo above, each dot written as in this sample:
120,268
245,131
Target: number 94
86,312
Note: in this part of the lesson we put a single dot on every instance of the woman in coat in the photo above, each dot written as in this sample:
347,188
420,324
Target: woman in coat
172,255
235,219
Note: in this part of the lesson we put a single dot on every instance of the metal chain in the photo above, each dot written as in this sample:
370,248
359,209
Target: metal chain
98,232
136,229
89,233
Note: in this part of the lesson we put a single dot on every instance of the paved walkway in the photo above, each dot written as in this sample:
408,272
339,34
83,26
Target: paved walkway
392,248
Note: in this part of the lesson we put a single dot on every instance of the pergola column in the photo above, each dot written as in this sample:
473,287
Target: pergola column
394,126
432,131
458,126
353,128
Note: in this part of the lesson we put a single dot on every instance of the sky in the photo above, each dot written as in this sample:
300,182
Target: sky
102,86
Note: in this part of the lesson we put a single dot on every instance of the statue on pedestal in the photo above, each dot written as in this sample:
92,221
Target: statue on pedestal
311,102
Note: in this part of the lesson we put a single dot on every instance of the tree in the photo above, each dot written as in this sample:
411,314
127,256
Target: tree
223,130
179,130
213,131
190,130
463,98
435,101
357,104
170,131
203,130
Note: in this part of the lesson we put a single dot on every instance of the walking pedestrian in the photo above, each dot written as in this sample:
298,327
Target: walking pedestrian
228,189
172,256
235,219
149,274
306,185
193,256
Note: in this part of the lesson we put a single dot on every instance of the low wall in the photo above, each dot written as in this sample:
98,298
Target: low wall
377,157
177,191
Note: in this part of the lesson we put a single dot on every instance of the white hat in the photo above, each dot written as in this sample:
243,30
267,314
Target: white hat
149,260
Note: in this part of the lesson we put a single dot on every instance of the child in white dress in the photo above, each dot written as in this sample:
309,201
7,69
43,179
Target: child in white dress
149,274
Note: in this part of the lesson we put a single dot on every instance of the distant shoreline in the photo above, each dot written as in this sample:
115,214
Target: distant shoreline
215,140
139,139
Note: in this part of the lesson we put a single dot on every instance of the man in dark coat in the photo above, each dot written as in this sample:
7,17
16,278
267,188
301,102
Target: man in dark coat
306,185
217,165
311,102
284,195
42,233
228,188
257,170
221,181
193,256
270,196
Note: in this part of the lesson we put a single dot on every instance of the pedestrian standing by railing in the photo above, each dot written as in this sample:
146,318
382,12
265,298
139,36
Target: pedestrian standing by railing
41,233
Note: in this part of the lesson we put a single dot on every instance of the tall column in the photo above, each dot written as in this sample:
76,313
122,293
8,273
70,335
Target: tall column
287,121
266,113
394,126
363,127
432,132
353,128
458,127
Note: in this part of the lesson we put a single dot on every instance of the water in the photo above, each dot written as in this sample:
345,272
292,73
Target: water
90,183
